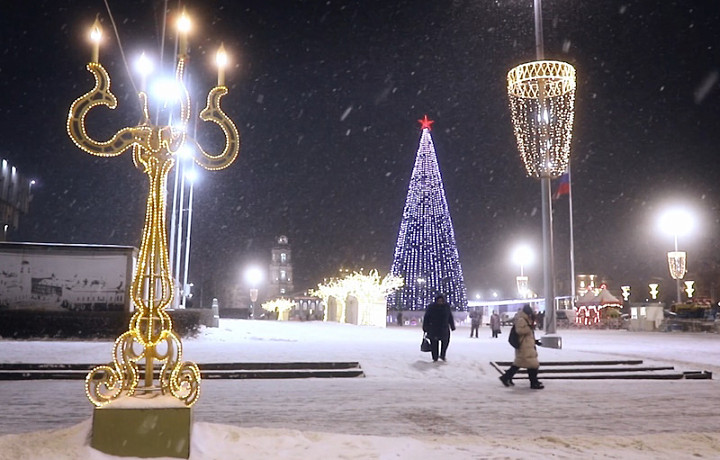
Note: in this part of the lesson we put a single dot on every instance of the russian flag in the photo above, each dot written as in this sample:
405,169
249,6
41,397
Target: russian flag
563,186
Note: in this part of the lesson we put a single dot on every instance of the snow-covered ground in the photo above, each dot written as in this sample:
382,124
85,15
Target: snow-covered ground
405,407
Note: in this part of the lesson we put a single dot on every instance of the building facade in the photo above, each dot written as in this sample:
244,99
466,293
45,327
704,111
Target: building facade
280,282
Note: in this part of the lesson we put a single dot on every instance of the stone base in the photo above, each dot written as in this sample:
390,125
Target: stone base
142,432
551,341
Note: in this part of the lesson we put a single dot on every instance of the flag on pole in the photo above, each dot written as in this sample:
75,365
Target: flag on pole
563,186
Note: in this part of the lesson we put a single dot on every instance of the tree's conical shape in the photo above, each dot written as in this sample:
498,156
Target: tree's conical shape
426,254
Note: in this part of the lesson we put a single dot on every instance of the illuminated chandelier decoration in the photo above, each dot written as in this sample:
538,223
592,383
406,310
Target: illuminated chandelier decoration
653,290
542,103
625,293
426,255
689,289
150,337
522,285
677,262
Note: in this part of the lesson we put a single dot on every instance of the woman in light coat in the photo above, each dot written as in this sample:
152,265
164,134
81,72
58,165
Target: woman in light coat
526,355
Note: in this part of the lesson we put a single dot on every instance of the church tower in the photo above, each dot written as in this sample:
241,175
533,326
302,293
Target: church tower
281,272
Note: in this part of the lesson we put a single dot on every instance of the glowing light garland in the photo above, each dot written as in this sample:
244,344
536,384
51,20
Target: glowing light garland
677,263
370,291
150,337
426,255
282,306
542,103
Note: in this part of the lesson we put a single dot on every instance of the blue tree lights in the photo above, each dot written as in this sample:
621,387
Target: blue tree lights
426,254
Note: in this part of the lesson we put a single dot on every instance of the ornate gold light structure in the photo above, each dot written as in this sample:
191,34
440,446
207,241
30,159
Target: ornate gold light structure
522,285
542,103
653,290
689,289
677,263
150,337
625,292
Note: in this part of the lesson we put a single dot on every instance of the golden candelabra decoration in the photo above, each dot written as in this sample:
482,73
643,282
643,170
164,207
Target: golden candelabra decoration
542,102
677,263
150,336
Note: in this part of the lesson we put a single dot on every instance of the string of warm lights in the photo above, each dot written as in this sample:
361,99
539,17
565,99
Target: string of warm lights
281,306
542,102
370,291
150,337
426,255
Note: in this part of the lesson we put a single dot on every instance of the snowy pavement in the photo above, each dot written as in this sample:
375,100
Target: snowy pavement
456,409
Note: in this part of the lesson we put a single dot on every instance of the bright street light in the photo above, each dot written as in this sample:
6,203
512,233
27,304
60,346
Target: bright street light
523,255
677,221
253,277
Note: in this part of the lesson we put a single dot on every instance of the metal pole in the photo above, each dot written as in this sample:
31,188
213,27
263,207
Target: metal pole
539,45
187,242
572,238
545,180
176,271
173,216
677,280
548,260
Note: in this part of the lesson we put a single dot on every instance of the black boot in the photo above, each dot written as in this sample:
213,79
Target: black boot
506,378
534,382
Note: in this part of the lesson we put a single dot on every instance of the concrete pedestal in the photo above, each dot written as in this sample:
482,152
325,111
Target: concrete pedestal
551,341
142,432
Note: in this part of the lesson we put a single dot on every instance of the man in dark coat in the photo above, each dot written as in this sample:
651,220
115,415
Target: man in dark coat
437,323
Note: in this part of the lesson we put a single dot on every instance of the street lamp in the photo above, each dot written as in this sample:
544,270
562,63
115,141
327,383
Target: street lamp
150,338
253,278
191,177
542,105
677,222
522,255
421,293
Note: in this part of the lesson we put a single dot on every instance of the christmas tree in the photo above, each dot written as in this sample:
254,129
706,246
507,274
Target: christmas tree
426,255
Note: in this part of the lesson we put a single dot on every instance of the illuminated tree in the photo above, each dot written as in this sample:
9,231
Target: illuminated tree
281,306
426,255
369,290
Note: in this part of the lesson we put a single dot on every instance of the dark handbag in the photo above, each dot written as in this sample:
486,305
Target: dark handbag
514,338
425,344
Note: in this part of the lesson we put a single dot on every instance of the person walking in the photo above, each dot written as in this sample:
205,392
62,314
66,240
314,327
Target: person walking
437,323
475,319
526,354
495,324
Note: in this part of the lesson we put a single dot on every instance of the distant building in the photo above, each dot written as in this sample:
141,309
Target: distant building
280,282
15,197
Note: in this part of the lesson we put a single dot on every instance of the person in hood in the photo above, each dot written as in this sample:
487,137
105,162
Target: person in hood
526,355
437,324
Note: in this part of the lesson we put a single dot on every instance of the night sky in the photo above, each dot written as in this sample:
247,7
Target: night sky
327,95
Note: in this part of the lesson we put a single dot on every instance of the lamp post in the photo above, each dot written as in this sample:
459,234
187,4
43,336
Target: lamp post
677,222
150,338
542,104
253,278
191,177
522,256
